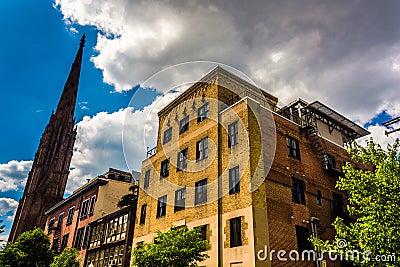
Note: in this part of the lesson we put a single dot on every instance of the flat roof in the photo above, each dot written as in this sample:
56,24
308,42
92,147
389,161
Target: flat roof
327,111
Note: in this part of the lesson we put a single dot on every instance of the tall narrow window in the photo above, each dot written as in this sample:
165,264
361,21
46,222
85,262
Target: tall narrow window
319,197
292,147
180,199
202,229
233,138
70,215
202,113
235,232
146,179
162,206
298,191
337,205
234,180
64,242
143,214
167,135
92,202
182,160
164,169
202,149
184,125
51,225
60,219
54,246
86,238
302,235
200,192
79,237
84,208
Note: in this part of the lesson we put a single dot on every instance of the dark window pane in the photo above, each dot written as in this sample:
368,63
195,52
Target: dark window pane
233,138
146,179
292,147
180,199
164,169
302,235
184,125
162,206
182,160
143,214
202,113
200,192
202,149
234,180
167,135
298,191
235,232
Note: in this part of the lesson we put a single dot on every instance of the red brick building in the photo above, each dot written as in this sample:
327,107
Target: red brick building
68,222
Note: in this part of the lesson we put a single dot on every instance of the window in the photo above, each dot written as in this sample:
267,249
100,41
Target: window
202,149
329,161
143,214
164,169
319,197
79,237
60,220
167,135
162,206
64,242
182,160
146,179
235,232
302,235
92,202
233,134
87,234
202,113
84,208
54,246
70,215
234,180
180,198
298,191
184,125
337,205
292,147
202,229
51,224
200,192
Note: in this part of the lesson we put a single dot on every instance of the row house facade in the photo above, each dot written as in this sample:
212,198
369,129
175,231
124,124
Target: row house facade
68,222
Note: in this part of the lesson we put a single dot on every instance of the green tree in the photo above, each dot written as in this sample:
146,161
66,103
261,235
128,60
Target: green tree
177,247
130,200
67,258
374,198
32,249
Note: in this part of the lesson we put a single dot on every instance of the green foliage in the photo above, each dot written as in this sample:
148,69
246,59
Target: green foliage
177,247
130,200
32,249
67,258
374,197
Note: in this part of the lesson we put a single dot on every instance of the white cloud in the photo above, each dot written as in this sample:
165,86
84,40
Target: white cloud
13,175
7,206
378,134
100,145
312,49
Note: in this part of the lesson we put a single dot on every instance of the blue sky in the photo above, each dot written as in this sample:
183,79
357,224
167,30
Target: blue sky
344,53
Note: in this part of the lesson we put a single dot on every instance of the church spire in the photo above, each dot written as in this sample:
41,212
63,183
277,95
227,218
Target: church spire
50,169
66,105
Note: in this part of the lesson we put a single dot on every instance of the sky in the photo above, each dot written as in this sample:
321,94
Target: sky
344,53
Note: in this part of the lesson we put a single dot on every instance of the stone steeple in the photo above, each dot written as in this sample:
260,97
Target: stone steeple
48,177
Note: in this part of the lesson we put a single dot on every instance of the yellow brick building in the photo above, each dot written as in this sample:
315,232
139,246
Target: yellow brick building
250,174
